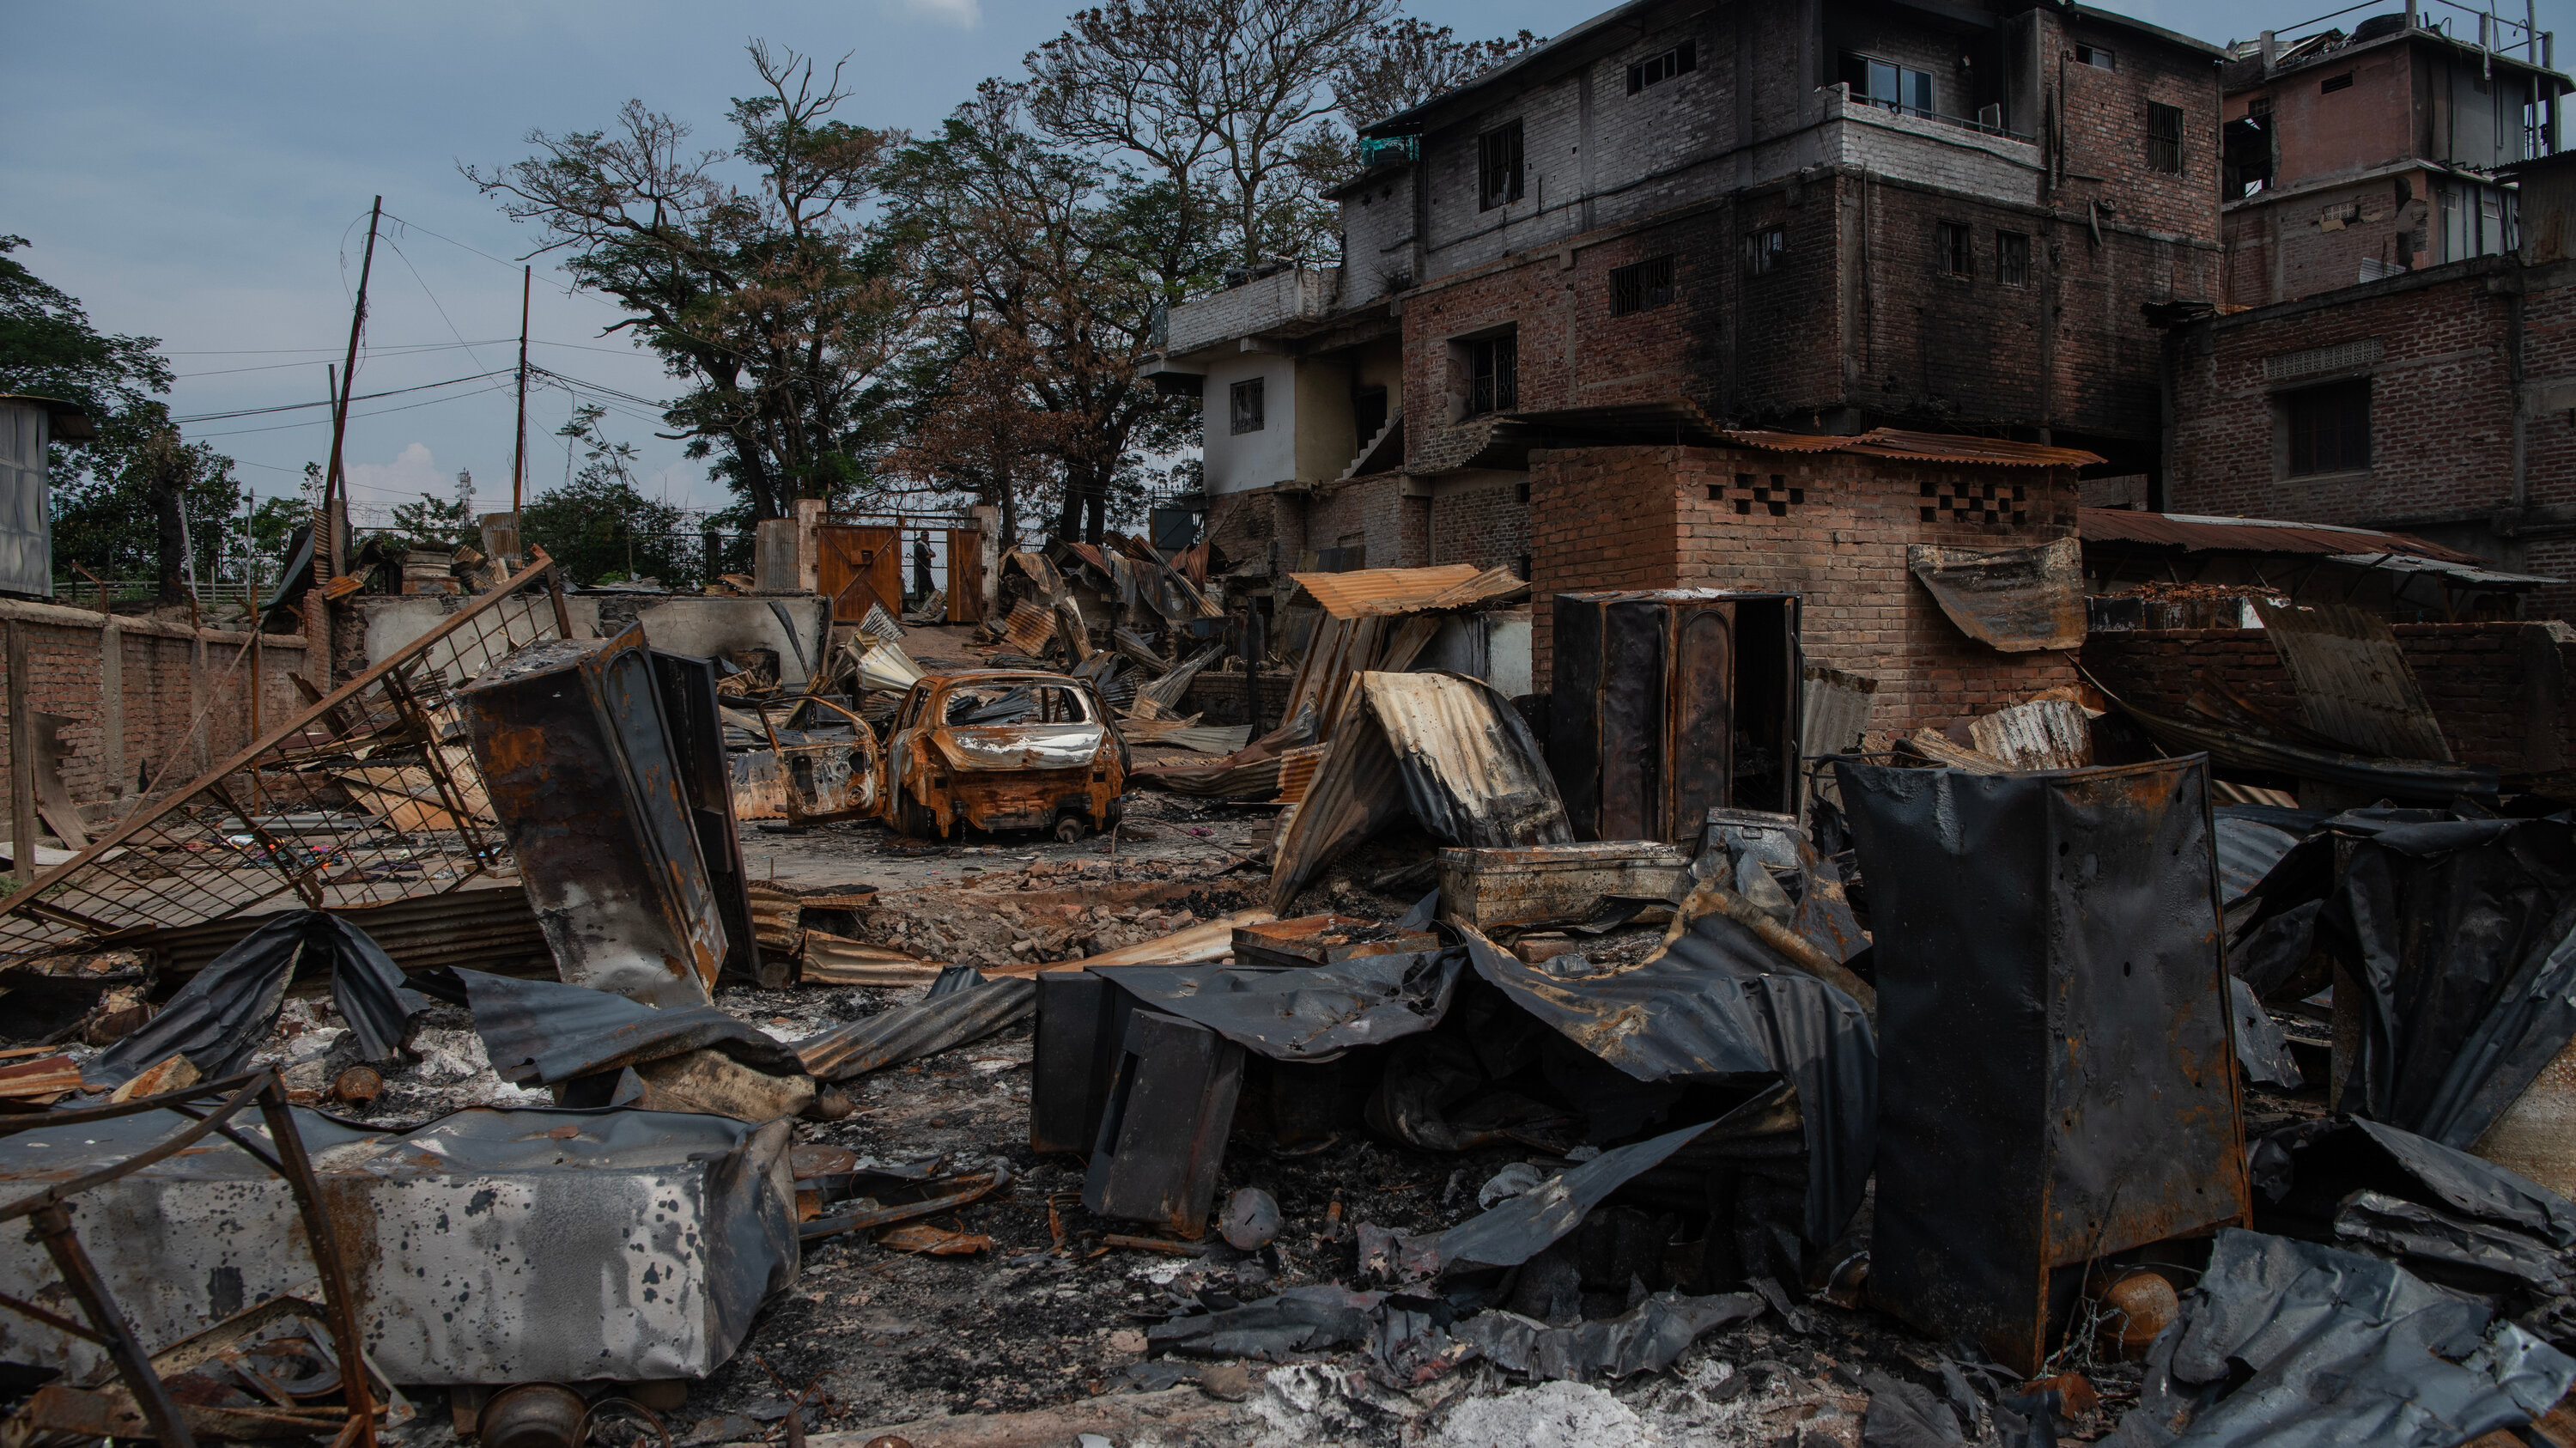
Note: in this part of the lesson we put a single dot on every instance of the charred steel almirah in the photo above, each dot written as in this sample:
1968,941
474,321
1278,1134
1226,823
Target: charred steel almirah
1669,704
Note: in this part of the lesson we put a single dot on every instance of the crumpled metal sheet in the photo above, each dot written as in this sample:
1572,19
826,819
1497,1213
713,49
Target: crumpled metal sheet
1644,1339
1517,1230
538,1032
1720,1005
907,1033
487,1246
2260,1047
2017,600
2427,780
2462,934
2354,686
1449,748
2342,1349
1306,1014
1299,1320
225,1011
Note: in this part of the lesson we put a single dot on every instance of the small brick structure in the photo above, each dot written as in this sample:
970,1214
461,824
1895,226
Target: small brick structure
2499,689
145,697
1832,527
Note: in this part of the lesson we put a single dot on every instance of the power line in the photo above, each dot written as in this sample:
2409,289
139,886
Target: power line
434,301
365,350
361,397
379,412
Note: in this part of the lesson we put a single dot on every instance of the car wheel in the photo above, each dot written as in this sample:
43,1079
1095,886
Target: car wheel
1072,828
917,820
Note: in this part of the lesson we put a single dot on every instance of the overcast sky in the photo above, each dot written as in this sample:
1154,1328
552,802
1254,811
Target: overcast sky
200,172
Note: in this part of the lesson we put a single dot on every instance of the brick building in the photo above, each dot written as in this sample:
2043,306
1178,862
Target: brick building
1807,516
1677,219
2439,402
2349,158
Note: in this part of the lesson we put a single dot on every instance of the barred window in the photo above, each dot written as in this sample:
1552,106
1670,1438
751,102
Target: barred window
1247,406
1493,375
1498,167
2012,258
2329,427
1953,251
1642,285
2164,137
1764,250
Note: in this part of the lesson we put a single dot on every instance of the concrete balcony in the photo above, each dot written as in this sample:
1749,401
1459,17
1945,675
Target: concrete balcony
1286,303
1956,155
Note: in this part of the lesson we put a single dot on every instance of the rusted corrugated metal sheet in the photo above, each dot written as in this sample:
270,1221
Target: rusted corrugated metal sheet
491,929
2196,534
2042,734
1378,592
1936,447
2014,599
2353,684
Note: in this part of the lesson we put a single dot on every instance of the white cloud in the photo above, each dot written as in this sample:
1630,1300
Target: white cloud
964,14
413,471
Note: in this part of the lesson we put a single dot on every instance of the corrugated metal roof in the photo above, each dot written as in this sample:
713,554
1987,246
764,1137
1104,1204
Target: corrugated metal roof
2196,534
1376,592
1936,447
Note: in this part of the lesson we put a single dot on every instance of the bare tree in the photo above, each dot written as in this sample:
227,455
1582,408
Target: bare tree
1222,98
771,298
1404,62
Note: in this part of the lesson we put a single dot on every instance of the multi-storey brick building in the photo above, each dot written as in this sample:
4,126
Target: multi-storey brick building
2348,158
2439,401
1674,219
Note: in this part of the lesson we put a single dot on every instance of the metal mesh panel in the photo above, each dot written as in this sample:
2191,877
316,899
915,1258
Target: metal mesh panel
367,797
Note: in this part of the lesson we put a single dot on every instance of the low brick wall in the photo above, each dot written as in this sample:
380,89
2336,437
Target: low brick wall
2500,690
145,696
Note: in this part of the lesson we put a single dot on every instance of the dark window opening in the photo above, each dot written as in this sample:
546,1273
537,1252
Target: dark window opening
2246,150
1247,406
2329,427
1368,412
2096,57
2164,137
1764,250
2335,83
1954,252
1882,83
1498,167
1493,375
1682,59
1520,492
1637,287
2012,258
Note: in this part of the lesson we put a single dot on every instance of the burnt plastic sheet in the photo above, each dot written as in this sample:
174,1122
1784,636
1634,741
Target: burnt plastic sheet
539,1032
1720,1005
1315,1014
908,1033
1301,1319
2456,1220
2260,1047
2055,1032
2341,1349
1514,1231
1644,1339
225,1011
2462,934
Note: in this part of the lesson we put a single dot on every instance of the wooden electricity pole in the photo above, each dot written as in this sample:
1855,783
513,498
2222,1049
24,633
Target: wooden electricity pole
327,562
519,457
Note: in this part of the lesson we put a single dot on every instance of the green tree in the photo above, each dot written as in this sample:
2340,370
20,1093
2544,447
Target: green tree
773,297
123,503
439,525
599,526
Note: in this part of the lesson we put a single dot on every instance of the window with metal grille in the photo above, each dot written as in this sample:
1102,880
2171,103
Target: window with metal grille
1247,406
1493,375
1884,83
1645,284
2012,258
2329,427
1498,167
2164,137
1764,250
1682,59
1953,251
2335,83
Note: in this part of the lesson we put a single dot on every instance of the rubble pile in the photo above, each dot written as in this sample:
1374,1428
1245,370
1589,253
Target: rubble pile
1422,1070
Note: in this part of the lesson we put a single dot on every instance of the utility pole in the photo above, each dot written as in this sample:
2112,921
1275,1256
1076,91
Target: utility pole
327,562
519,457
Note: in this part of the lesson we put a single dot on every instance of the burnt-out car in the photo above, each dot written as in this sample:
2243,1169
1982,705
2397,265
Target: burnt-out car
1003,749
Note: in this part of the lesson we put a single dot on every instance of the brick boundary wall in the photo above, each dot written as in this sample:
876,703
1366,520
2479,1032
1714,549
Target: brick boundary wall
167,676
1643,517
2499,689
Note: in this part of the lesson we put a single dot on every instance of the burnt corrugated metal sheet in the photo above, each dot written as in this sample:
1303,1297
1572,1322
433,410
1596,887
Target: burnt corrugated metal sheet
1934,447
2014,599
2196,534
2353,684
482,929
1377,592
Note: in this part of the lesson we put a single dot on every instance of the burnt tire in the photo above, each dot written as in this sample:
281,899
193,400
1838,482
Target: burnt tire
916,820
1071,828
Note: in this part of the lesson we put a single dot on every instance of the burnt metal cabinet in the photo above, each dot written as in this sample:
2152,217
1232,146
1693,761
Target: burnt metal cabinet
584,775
2057,1076
691,712
1669,704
